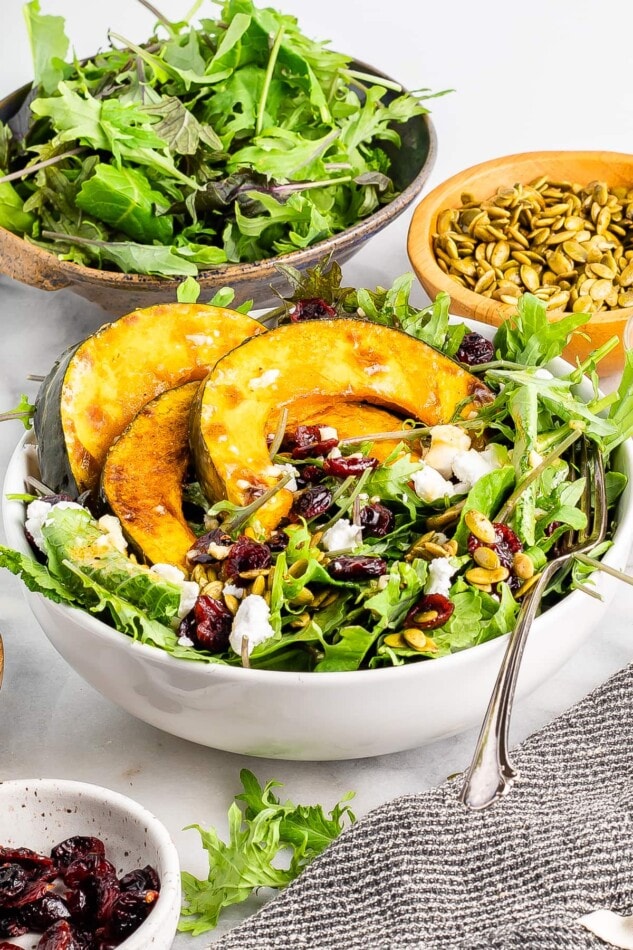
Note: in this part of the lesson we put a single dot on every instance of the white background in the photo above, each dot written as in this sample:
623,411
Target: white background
550,74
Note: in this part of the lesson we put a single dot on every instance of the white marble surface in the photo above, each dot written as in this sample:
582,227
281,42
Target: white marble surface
549,75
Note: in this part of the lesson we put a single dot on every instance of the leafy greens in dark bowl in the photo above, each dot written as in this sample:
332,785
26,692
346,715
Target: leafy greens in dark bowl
208,152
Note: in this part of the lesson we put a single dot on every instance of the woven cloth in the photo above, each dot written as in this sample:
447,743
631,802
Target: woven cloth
423,871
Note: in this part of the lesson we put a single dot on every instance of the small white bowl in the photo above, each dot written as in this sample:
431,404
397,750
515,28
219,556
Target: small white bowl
314,716
39,813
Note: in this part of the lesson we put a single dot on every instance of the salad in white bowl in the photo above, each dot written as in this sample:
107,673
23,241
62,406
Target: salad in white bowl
407,543
425,593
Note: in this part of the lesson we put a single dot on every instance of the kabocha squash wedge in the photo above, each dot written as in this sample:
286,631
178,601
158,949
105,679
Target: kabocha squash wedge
97,387
350,419
143,474
346,359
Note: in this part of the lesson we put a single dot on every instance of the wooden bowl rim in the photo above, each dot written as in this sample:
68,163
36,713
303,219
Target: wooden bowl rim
425,214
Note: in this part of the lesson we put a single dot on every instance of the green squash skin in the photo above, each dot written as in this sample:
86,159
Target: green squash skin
56,470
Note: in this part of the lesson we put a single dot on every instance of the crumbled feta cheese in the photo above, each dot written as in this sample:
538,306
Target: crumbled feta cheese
543,374
287,469
36,515
233,590
113,536
185,642
189,590
218,551
429,485
342,536
439,578
267,378
327,432
470,466
251,621
446,442
335,453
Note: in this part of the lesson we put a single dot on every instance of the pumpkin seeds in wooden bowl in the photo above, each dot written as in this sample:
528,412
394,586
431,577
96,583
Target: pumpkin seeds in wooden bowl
557,224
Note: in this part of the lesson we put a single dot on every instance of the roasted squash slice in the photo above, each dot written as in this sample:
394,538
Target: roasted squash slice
97,387
350,419
143,474
348,359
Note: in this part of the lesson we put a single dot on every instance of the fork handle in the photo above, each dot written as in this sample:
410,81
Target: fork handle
491,773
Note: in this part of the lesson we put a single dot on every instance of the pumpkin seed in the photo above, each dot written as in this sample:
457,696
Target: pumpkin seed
487,558
523,566
479,575
395,640
231,602
259,585
480,526
418,640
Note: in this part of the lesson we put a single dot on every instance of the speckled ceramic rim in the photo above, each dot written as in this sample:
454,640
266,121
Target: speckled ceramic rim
164,917
13,519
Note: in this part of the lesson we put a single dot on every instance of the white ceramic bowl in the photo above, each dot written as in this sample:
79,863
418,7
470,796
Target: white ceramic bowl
39,813
314,716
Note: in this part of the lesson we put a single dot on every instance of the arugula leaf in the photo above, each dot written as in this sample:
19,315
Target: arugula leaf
621,412
188,292
404,585
24,411
13,217
75,549
258,834
123,198
486,496
36,576
530,338
180,129
49,45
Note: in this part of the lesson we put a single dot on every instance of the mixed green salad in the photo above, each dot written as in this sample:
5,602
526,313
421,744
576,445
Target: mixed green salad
231,140
381,563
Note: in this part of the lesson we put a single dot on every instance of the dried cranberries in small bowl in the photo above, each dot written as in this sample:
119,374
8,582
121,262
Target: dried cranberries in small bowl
92,853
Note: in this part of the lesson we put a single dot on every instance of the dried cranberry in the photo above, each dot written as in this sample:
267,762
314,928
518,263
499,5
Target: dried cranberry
475,349
13,880
356,567
208,624
312,502
61,936
10,946
32,892
43,913
141,879
89,866
311,475
11,925
64,853
306,442
376,520
278,541
429,605
351,465
26,858
312,308
245,555
130,911
506,545
199,552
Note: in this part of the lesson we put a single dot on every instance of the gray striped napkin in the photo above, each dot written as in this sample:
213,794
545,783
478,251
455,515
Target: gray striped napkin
423,871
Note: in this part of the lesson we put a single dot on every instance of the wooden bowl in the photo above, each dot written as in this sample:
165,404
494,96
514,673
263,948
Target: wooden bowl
482,181
121,293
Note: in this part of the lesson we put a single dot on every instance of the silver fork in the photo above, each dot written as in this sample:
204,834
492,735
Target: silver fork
491,773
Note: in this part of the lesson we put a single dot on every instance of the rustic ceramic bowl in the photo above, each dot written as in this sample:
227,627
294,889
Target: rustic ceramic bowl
39,813
314,716
121,293
482,181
